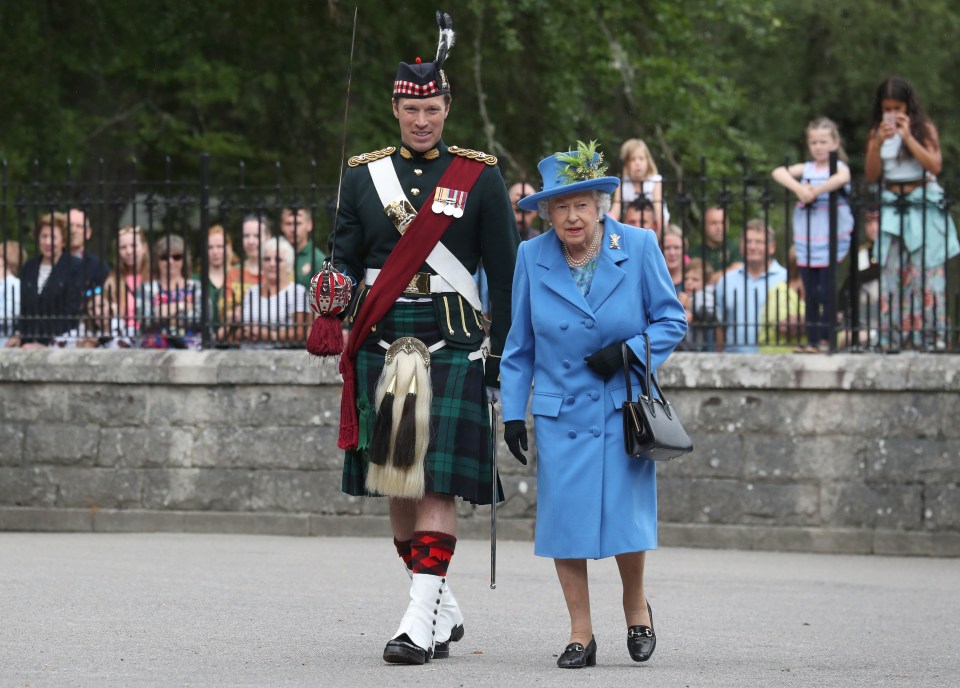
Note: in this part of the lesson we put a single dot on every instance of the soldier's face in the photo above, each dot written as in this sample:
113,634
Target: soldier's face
421,121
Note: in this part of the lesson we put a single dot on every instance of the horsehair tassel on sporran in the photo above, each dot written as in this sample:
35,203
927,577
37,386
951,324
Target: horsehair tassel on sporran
405,446
383,426
330,290
406,366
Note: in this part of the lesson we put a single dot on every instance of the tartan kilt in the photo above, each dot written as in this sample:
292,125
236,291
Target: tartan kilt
459,460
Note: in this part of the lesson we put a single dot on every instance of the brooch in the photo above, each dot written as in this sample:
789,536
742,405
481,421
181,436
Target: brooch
615,241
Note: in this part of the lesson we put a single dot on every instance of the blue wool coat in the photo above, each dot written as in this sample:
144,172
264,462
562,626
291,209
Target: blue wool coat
593,500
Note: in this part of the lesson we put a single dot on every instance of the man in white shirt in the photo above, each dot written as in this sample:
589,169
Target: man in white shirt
742,292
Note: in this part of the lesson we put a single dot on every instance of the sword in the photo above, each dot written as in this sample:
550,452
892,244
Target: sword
343,140
493,501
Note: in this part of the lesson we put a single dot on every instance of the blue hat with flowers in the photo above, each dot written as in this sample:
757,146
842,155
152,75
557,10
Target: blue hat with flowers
571,172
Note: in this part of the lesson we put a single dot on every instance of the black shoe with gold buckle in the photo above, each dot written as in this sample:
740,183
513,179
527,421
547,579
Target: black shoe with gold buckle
576,656
641,640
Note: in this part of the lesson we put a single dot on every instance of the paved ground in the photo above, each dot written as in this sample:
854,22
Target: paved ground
222,610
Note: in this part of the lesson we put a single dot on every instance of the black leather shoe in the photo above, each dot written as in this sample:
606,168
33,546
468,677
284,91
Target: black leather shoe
641,640
402,650
576,656
442,650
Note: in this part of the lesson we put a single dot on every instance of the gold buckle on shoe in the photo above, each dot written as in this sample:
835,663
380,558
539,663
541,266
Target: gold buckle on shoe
419,285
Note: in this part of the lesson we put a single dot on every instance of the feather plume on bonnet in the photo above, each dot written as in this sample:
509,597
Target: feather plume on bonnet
447,37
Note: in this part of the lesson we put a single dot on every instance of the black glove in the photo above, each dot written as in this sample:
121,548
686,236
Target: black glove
491,372
515,435
606,361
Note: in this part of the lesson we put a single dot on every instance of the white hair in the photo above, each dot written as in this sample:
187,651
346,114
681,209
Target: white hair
603,200
281,247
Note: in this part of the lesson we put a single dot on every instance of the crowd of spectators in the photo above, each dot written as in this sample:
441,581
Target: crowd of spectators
66,296
737,296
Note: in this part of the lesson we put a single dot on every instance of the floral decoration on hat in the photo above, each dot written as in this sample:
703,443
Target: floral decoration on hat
582,164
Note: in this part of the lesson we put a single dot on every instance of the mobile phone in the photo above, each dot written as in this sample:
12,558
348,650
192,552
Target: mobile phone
890,118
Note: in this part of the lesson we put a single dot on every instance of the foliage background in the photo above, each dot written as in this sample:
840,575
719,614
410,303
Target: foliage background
100,82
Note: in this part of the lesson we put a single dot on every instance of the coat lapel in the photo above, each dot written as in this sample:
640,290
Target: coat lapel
609,274
556,276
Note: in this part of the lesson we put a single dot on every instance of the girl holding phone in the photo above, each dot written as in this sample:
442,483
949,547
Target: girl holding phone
917,236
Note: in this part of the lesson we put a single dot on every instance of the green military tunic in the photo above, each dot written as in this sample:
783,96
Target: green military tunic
459,455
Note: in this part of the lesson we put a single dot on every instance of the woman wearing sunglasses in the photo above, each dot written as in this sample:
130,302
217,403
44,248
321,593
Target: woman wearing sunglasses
172,318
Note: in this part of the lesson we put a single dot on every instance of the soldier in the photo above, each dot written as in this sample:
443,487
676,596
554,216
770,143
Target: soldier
414,421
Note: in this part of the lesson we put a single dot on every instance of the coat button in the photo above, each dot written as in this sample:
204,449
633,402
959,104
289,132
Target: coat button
566,364
588,324
594,395
595,430
569,400
572,434
564,324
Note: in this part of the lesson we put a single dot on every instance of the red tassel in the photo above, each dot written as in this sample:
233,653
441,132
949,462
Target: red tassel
349,427
326,337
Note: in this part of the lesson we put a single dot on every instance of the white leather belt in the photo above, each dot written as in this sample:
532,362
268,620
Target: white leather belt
440,260
421,284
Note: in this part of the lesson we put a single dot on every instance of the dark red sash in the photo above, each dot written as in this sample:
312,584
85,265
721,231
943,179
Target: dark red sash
404,260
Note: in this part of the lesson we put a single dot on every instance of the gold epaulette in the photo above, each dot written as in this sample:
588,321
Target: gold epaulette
364,158
479,156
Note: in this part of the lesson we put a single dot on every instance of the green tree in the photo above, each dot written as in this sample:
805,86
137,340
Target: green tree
245,80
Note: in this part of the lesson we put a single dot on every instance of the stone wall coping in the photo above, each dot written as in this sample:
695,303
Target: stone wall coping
853,372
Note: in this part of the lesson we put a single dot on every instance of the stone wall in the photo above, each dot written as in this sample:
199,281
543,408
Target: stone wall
840,453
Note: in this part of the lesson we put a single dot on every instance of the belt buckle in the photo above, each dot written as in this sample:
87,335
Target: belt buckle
419,285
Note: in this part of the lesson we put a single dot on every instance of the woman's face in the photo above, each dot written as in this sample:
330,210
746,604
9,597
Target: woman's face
673,251
893,105
575,218
638,167
252,231
215,250
170,262
273,267
51,242
130,249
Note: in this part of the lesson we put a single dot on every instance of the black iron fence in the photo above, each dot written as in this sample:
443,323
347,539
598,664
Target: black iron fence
195,263
198,263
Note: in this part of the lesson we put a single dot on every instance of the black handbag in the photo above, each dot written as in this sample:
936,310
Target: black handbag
651,427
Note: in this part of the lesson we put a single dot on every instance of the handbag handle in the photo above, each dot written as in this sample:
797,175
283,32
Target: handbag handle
648,390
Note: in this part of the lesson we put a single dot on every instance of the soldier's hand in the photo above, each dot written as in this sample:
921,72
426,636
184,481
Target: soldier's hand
515,435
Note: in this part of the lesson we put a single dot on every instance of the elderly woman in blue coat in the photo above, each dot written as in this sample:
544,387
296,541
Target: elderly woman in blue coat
580,290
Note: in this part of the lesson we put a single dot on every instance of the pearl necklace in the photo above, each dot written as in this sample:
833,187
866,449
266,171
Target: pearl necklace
591,250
